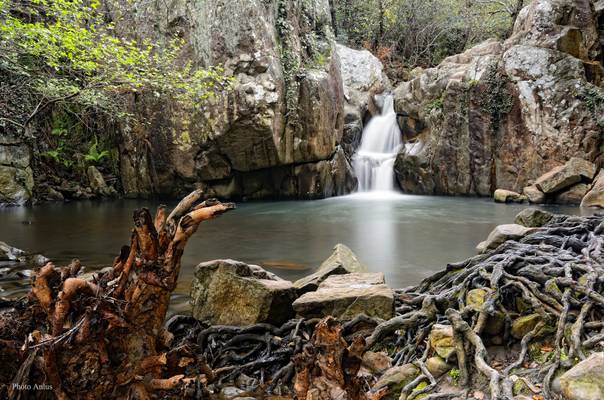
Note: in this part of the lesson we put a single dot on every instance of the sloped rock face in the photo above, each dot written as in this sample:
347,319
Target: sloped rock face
16,175
502,114
278,133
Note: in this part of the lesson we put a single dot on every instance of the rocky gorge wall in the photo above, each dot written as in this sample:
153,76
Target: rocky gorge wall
288,127
503,113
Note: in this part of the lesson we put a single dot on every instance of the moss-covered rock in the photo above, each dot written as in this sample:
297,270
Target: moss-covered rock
441,340
523,325
585,381
395,380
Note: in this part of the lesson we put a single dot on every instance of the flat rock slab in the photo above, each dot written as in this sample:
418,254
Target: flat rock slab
564,176
228,292
346,296
341,261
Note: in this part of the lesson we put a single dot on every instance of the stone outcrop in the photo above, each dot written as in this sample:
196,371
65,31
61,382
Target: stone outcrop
503,113
346,296
228,292
341,261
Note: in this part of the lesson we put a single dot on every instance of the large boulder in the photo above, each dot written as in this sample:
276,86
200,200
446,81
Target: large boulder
585,381
228,292
501,114
508,196
565,176
341,261
346,296
595,196
502,233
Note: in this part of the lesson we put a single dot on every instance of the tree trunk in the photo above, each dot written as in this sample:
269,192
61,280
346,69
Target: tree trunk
105,337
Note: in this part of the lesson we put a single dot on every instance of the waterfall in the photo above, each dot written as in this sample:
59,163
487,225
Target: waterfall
381,141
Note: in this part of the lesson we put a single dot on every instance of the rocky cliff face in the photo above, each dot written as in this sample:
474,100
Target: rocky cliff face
16,176
502,114
278,133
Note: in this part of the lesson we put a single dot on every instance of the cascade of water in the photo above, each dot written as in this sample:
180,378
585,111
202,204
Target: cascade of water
381,141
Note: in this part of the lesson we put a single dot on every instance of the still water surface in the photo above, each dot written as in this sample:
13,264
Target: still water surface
406,237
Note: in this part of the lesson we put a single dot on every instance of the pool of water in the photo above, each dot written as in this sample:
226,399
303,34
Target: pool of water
406,237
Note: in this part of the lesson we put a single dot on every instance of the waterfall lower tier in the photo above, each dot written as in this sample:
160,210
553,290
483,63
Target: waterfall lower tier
381,141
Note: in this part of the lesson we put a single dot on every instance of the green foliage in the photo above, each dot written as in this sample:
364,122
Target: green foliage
455,373
496,98
67,52
94,155
435,105
290,61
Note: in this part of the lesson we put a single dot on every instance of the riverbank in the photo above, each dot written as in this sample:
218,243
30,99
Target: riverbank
505,323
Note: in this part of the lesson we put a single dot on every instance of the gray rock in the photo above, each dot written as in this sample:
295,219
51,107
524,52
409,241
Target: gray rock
341,261
585,381
97,182
533,217
395,379
503,233
346,296
228,292
565,176
534,195
9,253
437,366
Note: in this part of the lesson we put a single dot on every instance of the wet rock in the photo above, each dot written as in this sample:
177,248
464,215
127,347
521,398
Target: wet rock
508,196
341,261
585,381
534,195
523,325
573,195
437,366
503,233
228,292
395,379
376,362
595,196
566,175
9,253
346,296
533,217
97,182
54,195
16,185
441,340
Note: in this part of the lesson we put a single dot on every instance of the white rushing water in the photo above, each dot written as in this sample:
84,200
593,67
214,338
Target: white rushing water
381,141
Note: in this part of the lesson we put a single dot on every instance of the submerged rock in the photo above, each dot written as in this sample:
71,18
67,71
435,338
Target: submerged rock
228,292
533,217
341,261
595,196
585,381
508,196
346,296
503,233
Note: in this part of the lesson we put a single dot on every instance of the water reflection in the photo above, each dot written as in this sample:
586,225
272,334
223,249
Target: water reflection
406,237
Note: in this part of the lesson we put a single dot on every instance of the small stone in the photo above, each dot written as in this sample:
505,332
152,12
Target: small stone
441,340
395,379
376,362
475,298
503,233
508,196
437,366
533,217
523,325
